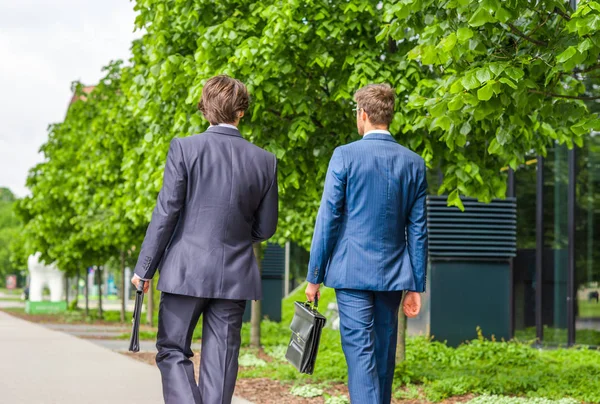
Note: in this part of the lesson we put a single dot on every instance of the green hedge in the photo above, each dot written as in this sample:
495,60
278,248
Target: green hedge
438,371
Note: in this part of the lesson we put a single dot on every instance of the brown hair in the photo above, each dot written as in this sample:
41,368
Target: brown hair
222,99
377,100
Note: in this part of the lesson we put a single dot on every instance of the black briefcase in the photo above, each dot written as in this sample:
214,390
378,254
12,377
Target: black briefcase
134,342
306,327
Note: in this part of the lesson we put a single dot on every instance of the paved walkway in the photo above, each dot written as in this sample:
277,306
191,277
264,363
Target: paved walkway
42,366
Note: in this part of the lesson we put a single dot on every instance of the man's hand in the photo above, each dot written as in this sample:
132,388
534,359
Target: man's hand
312,290
412,304
136,281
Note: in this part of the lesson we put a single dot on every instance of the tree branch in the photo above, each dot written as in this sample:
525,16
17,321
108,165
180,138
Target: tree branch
562,14
570,97
518,32
589,69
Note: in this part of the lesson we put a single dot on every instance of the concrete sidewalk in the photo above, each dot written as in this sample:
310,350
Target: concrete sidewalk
42,366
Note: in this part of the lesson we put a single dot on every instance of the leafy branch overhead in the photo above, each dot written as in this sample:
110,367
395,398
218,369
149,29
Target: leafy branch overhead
481,85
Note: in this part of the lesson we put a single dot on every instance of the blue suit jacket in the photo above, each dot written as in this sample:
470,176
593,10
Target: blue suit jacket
371,229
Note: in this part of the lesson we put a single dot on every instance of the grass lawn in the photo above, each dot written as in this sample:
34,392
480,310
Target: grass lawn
11,292
558,336
109,316
434,371
589,309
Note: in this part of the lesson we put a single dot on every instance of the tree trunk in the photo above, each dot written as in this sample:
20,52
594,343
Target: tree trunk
77,288
256,309
67,290
401,347
150,305
87,293
100,313
123,295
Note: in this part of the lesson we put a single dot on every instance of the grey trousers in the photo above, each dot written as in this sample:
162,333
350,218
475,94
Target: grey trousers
221,337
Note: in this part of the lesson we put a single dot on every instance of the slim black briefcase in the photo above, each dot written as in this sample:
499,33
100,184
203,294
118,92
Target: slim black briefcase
306,327
134,342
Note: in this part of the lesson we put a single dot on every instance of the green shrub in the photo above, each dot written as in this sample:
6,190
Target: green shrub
516,400
337,400
306,391
251,360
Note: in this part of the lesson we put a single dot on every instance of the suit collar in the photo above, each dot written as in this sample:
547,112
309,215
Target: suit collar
379,136
224,130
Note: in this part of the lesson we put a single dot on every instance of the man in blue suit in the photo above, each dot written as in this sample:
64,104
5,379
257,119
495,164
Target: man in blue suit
370,243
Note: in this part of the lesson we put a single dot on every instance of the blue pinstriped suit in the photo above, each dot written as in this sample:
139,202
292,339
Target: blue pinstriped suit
370,244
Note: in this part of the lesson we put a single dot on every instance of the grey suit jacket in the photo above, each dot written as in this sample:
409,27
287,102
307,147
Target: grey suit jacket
219,195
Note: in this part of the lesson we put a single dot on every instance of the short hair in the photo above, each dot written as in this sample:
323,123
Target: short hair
378,101
222,99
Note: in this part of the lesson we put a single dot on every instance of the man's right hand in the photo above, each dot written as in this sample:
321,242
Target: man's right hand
312,291
412,304
136,281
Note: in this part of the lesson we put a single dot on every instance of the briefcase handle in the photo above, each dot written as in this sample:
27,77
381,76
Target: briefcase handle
315,304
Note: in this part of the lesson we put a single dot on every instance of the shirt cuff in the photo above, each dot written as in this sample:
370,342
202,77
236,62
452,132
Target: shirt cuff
136,276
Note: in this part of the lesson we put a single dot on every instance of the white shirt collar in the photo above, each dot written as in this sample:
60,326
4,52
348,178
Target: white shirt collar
374,131
225,125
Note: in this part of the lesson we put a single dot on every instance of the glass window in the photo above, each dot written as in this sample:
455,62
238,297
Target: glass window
524,262
556,242
587,243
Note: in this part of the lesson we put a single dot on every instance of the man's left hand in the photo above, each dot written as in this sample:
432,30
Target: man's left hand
136,281
412,304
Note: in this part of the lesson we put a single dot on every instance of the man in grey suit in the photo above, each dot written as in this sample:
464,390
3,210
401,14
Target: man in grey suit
219,196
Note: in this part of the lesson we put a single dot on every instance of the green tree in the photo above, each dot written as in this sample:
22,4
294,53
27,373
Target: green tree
10,227
507,78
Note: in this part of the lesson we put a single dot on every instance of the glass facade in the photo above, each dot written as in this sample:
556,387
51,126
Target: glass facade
524,278
587,244
563,247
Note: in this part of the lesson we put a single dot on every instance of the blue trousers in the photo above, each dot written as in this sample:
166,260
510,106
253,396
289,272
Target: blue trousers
369,330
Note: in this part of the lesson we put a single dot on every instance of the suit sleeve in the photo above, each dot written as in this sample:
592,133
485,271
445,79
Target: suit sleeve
171,199
416,231
265,218
329,219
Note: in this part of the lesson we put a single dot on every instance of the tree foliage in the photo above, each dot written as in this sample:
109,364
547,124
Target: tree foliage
9,229
480,85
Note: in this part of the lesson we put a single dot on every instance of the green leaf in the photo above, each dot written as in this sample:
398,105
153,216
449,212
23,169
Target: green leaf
438,109
155,70
486,92
464,34
456,87
567,54
454,200
494,146
429,55
585,45
442,122
503,15
502,136
470,81
508,82
515,73
481,17
465,129
483,75
594,5
497,68
448,43
456,103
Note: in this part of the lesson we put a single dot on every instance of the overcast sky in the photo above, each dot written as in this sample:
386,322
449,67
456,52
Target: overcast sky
44,46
